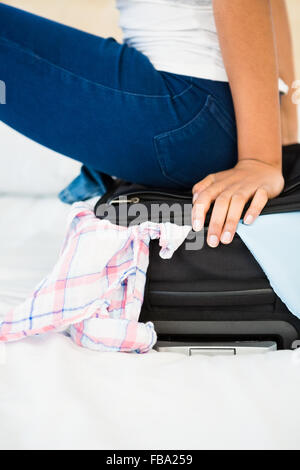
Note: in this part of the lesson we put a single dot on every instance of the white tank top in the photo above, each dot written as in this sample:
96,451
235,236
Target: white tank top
178,36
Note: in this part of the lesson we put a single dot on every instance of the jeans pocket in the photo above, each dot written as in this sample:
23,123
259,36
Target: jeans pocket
206,144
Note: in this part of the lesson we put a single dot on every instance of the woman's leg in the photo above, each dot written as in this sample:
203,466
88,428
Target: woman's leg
105,105
79,94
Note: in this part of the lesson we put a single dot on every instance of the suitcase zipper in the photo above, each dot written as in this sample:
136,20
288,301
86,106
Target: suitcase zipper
280,205
148,196
133,200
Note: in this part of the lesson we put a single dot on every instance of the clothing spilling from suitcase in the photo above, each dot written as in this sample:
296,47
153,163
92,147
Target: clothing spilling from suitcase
127,283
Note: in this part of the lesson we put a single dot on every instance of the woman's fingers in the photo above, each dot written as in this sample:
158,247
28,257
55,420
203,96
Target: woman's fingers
202,204
230,190
259,201
202,186
217,220
225,218
227,211
234,215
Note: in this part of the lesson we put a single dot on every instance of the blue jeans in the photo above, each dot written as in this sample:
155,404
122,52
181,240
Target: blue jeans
104,104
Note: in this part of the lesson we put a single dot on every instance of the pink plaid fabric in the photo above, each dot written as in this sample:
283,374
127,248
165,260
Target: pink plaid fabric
95,290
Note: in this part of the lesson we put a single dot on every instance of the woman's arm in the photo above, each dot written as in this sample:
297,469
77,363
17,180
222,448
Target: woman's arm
284,46
246,37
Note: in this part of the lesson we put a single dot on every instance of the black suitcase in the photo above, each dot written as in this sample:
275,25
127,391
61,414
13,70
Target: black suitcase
211,300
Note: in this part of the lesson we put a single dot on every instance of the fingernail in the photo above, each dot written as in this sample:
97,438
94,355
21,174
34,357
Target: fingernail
226,237
197,225
195,197
213,241
248,220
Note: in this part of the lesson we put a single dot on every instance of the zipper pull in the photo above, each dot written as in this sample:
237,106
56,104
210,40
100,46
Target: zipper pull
133,200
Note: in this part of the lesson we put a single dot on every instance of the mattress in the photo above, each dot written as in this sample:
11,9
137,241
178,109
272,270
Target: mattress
54,395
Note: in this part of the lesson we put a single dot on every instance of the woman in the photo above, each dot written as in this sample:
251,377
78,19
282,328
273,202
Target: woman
189,100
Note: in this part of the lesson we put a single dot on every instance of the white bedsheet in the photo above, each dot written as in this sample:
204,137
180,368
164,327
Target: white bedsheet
55,395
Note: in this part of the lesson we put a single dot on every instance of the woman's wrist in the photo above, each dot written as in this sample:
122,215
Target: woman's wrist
274,160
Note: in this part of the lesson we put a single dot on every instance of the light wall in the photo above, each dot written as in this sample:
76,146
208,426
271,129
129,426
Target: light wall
100,16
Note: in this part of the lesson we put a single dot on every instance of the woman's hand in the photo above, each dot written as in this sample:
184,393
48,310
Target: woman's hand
231,189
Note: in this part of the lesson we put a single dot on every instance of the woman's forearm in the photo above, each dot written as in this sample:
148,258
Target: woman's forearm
284,46
247,41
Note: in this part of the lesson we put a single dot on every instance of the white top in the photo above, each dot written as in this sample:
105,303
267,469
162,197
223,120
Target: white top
178,36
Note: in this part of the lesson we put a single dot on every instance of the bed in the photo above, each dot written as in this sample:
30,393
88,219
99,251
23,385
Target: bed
54,395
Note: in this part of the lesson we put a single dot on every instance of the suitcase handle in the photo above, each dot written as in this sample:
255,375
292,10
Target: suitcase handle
216,349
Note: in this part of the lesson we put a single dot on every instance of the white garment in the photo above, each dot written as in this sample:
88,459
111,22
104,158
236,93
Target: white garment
178,36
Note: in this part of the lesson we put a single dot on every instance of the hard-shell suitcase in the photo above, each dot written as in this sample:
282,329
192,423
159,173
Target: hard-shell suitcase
210,300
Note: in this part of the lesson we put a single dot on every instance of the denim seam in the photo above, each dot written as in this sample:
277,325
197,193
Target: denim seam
163,167
138,95
173,131
215,113
156,138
